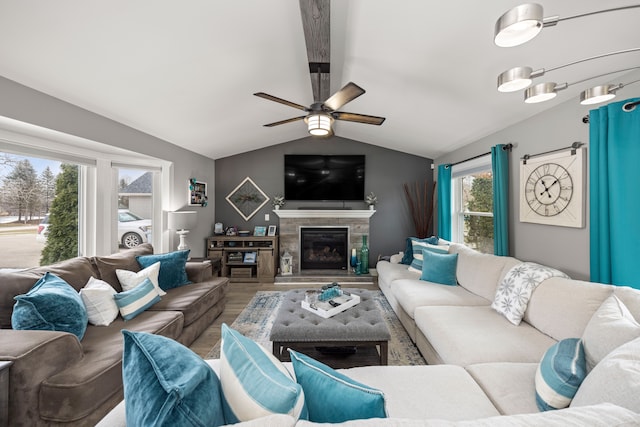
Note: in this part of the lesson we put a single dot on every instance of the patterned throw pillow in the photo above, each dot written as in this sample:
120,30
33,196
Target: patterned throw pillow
133,302
254,383
50,305
333,397
97,296
514,291
560,372
407,256
418,249
166,384
130,279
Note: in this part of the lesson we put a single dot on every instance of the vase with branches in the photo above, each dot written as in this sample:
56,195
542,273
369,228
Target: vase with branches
421,203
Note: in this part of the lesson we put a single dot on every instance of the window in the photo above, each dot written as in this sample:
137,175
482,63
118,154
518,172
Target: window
472,194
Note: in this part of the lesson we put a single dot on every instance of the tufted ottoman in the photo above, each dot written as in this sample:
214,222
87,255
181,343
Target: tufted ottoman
359,326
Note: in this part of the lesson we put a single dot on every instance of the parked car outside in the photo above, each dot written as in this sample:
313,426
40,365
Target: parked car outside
132,229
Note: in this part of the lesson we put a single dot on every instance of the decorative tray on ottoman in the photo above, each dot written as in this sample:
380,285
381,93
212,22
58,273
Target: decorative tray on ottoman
335,305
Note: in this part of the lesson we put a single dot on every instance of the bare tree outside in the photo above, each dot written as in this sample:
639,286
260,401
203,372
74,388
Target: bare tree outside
21,192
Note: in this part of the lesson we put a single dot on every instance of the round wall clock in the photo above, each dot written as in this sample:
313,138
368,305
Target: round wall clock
551,189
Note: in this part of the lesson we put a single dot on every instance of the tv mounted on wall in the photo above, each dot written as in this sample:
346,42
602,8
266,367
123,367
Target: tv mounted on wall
323,177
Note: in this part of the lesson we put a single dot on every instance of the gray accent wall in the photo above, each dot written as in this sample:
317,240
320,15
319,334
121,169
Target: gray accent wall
30,106
561,247
386,170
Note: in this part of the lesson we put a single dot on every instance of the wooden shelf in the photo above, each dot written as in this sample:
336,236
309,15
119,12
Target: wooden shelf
263,270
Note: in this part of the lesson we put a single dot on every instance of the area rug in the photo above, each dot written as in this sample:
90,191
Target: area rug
256,319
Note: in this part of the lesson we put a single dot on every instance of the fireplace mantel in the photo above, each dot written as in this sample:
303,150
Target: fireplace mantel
324,213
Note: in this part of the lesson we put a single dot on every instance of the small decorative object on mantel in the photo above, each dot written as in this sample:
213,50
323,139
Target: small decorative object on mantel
247,198
278,202
371,200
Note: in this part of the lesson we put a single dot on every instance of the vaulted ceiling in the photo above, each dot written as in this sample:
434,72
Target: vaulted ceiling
186,71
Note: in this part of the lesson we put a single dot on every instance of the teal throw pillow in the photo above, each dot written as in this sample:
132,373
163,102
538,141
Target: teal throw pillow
135,301
418,257
50,305
407,256
254,383
439,268
166,384
332,397
560,372
173,273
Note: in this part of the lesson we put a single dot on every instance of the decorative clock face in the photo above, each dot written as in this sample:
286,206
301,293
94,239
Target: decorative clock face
551,189
548,189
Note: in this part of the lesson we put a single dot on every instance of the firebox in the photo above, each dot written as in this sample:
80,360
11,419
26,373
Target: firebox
324,248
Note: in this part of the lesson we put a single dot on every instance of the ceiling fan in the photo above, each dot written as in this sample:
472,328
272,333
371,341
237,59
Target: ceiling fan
322,114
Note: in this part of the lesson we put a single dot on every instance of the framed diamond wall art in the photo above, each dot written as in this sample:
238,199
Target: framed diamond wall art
247,198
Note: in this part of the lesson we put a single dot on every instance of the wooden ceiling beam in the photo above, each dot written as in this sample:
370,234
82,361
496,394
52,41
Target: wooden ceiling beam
317,30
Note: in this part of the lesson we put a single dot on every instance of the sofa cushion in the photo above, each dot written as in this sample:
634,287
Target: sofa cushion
132,303
125,260
561,308
97,297
192,300
79,390
418,256
412,294
388,272
439,267
480,273
515,289
333,397
610,326
467,335
130,279
509,385
172,268
615,379
165,383
559,374
254,382
50,305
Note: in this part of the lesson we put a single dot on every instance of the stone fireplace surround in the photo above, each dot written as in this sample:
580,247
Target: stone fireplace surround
291,220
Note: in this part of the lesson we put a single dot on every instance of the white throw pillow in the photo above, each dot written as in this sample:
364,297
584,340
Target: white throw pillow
97,296
129,279
610,326
514,291
616,379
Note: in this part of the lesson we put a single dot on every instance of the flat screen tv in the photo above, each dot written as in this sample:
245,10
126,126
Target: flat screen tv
320,177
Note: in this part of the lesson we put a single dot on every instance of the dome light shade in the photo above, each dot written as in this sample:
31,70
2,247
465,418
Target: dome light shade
518,25
319,124
597,94
540,93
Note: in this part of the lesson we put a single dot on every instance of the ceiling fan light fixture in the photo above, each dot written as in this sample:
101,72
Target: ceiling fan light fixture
598,94
518,25
319,124
540,93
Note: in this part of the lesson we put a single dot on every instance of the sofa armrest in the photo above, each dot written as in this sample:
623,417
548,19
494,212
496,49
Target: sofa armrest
199,272
36,356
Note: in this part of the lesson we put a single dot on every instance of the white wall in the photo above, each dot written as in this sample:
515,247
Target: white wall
27,105
561,247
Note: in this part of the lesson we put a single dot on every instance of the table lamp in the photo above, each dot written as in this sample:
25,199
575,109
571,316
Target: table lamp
182,222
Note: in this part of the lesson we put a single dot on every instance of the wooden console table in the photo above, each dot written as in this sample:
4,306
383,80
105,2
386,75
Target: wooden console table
236,261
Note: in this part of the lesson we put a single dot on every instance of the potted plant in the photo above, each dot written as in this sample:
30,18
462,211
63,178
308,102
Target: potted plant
278,201
371,200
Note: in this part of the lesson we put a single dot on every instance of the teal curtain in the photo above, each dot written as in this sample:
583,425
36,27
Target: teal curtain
500,169
444,201
614,159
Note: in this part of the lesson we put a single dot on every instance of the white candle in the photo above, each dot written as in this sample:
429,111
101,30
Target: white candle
353,252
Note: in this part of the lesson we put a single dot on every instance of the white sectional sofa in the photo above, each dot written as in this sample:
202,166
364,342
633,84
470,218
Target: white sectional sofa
482,368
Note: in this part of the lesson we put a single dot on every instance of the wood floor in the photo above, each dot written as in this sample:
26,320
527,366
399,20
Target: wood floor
238,296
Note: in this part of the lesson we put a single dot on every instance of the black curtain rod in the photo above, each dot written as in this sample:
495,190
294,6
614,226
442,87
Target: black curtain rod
629,106
506,147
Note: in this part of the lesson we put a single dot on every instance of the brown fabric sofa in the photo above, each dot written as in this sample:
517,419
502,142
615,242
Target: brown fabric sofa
56,379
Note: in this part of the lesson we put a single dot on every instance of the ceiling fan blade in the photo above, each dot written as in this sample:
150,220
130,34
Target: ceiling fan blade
359,118
347,94
282,122
281,101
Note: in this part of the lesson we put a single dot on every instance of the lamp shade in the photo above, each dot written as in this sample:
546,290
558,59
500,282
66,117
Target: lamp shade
598,94
540,93
182,220
515,79
518,25
319,124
